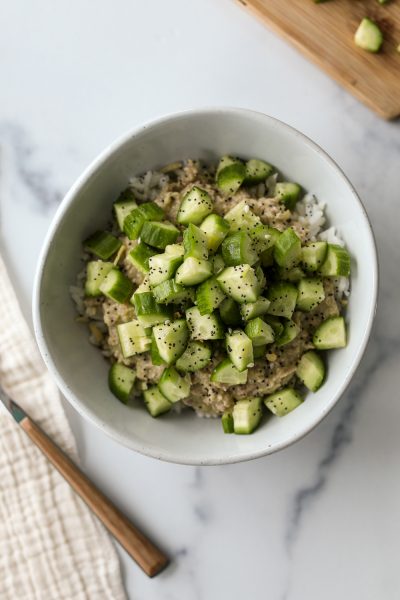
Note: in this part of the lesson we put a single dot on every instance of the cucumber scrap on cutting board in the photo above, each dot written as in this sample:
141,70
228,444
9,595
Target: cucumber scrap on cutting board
325,31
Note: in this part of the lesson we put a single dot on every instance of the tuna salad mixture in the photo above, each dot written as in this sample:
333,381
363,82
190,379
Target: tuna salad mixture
215,287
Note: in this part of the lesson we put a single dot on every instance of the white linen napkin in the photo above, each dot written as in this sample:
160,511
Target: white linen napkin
51,546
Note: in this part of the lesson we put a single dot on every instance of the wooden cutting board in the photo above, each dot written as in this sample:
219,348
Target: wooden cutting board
324,32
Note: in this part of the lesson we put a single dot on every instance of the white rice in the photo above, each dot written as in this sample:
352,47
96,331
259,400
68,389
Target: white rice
148,186
310,214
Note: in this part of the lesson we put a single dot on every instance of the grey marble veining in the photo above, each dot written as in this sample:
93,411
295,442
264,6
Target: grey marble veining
320,519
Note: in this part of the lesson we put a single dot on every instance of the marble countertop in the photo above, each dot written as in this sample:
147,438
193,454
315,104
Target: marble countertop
320,519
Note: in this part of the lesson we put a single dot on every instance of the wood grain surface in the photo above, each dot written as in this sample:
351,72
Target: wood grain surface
325,32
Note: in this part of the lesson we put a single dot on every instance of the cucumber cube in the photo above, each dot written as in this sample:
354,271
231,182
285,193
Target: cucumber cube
230,175
204,327
215,229
155,402
125,204
240,283
257,171
241,218
227,421
140,256
195,206
283,402
102,244
196,356
133,338
283,297
169,292
116,286
193,271
311,370
134,221
209,296
171,340
163,266
288,193
238,249
229,312
259,332
368,36
289,332
120,381
96,272
148,311
313,255
250,310
247,415
287,249
310,293
173,386
330,334
240,350
336,263
226,372
159,234
195,242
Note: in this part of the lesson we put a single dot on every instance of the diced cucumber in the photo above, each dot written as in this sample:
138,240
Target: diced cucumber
154,353
171,340
116,286
169,292
196,356
287,249
193,271
227,421
195,206
240,350
283,297
159,234
267,256
226,372
120,381
155,402
96,272
215,229
139,257
261,279
238,249
289,332
259,351
250,310
204,327
217,263
336,263
368,36
148,311
275,323
229,311
261,238
133,338
230,175
143,287
240,283
102,244
311,370
310,293
134,221
241,218
313,255
294,274
330,334
247,415
283,402
209,296
173,386
195,242
163,266
259,332
125,204
288,193
257,171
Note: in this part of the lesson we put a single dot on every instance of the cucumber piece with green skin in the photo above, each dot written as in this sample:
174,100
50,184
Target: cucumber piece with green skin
294,274
173,386
171,340
230,312
215,229
195,206
237,249
204,327
133,338
261,238
230,175
156,403
196,356
259,351
261,279
193,271
227,421
154,353
311,370
139,257
163,266
275,323
310,293
257,171
246,415
368,36
330,334
170,292
134,221
159,234
116,286
283,402
287,249
96,272
283,297
259,332
241,218
288,193
313,255
102,244
240,283
226,372
289,332
148,311
125,204
336,263
209,296
251,310
120,381
240,350
195,243
217,263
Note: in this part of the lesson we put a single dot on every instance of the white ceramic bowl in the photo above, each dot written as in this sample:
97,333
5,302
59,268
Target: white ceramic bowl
79,369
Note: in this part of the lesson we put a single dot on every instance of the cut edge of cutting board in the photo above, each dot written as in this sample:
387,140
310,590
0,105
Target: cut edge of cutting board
387,114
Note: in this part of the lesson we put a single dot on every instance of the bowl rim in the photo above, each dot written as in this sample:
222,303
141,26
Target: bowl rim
91,169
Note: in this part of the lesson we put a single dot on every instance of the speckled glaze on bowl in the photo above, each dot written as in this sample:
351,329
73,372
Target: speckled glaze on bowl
79,369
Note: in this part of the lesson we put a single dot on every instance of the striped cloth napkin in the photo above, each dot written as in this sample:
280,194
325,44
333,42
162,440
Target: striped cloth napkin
51,546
